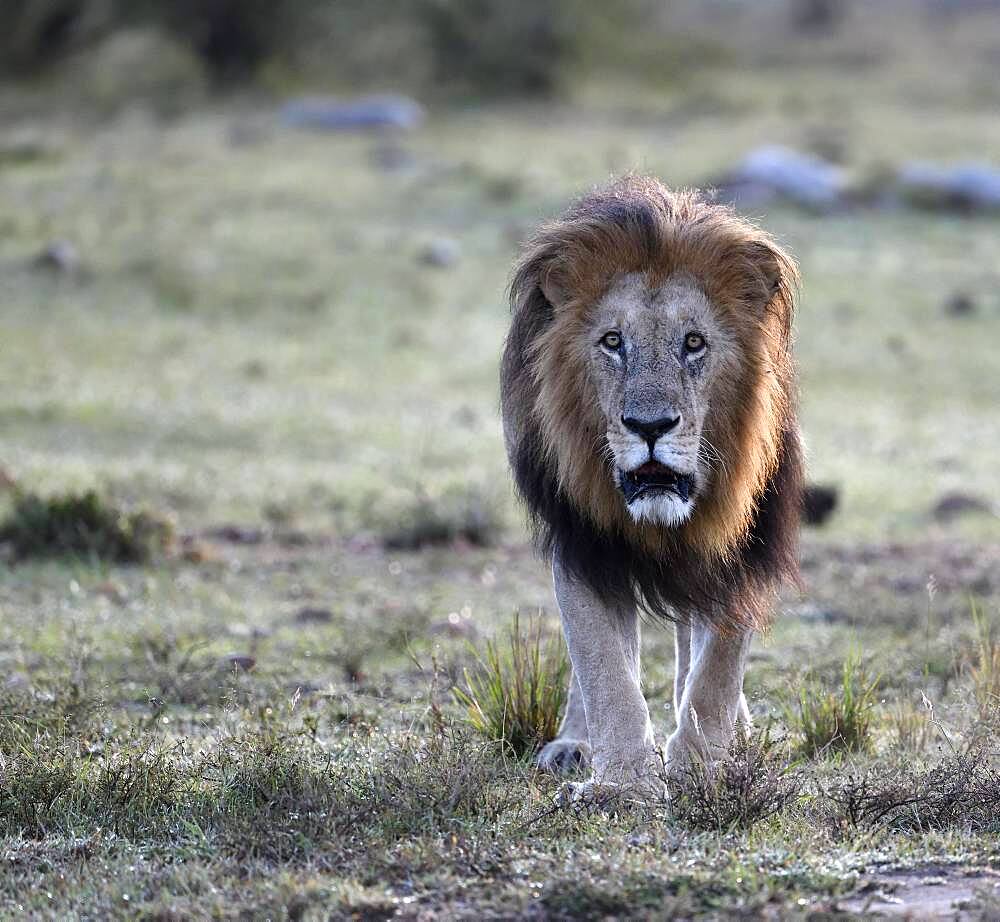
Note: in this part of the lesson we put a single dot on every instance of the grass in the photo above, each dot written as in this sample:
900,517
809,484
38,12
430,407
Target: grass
831,721
984,670
83,525
516,692
254,349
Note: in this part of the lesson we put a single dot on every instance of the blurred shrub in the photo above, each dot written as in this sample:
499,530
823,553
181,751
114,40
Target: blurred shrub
36,32
501,46
479,47
139,62
83,524
466,514
233,37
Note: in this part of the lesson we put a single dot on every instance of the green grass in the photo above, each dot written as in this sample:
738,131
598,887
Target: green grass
516,692
254,349
831,721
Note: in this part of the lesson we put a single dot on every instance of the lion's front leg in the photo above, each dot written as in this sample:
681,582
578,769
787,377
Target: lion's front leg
604,649
712,699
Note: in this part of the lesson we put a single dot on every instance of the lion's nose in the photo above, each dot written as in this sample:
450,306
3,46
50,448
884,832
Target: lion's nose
651,429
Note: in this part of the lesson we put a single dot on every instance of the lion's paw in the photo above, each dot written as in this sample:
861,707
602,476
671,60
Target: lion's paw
607,795
587,794
564,756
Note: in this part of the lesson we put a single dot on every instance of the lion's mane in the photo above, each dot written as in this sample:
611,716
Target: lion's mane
741,540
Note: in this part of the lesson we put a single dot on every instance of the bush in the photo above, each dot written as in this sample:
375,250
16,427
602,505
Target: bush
459,515
835,721
83,524
962,791
36,32
751,786
501,47
232,37
516,695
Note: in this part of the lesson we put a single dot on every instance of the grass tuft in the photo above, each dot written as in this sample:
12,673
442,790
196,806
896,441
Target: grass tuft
984,670
834,721
83,525
517,692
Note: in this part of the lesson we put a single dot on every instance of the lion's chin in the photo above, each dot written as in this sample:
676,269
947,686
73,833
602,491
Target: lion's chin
661,509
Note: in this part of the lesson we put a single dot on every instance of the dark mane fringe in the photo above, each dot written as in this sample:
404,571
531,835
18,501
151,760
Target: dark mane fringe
675,581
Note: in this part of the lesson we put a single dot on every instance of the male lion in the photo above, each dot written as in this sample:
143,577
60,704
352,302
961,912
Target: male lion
648,396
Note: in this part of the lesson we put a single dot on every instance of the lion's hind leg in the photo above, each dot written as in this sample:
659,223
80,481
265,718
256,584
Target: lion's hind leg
570,750
712,700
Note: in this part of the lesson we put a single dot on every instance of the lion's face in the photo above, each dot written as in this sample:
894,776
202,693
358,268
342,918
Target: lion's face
654,355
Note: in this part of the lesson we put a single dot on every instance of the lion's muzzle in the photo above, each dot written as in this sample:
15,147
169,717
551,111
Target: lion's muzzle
653,478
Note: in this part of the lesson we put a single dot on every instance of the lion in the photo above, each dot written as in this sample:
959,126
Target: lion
648,395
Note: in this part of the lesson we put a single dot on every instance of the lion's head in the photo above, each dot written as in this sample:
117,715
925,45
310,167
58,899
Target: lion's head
648,396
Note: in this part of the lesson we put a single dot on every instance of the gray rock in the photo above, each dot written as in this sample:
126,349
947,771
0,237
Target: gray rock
962,186
952,505
59,256
319,113
313,615
773,172
960,304
442,253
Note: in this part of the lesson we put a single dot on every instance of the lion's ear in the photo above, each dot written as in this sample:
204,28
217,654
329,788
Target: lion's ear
552,286
776,272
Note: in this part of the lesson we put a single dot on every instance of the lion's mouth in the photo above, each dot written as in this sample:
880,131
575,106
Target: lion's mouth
653,477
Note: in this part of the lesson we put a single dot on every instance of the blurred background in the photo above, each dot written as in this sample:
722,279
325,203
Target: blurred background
253,255
256,519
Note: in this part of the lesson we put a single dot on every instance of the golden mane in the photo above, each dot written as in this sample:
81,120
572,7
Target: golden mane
554,425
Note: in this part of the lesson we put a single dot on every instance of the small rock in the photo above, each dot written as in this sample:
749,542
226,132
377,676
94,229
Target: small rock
960,304
314,616
59,256
952,505
442,253
237,534
328,114
239,662
961,187
818,503
774,171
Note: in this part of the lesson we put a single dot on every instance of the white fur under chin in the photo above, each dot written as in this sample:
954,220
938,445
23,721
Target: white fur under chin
661,509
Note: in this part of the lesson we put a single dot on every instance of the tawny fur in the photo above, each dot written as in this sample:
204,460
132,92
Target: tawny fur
553,422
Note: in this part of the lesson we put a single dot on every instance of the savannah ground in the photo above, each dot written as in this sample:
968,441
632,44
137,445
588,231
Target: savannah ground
253,345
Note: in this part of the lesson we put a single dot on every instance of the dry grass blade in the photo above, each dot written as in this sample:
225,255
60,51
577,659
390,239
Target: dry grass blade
985,668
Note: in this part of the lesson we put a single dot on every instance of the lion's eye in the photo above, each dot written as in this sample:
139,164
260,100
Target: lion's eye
612,340
694,342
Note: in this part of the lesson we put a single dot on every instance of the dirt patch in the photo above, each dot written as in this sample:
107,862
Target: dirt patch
929,892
